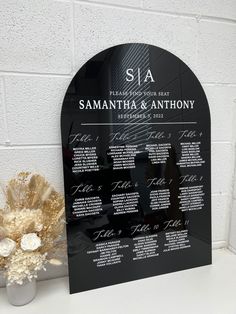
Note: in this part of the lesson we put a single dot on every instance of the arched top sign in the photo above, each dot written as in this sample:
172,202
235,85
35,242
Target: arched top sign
135,128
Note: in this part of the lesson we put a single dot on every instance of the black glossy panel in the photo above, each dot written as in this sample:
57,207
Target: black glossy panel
137,177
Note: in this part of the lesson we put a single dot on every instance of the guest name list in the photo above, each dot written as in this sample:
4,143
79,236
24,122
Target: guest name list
136,156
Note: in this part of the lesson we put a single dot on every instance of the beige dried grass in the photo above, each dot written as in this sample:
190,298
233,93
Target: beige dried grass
32,206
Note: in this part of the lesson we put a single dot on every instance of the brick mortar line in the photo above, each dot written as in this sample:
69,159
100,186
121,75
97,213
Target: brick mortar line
73,35
24,145
41,74
58,144
233,186
231,205
222,142
199,17
197,44
29,146
69,76
7,139
219,194
218,84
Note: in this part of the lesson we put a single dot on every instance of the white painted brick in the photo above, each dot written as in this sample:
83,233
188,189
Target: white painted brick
220,217
222,102
222,168
98,28
34,108
232,235
131,3
3,135
216,8
35,36
216,52
46,161
234,181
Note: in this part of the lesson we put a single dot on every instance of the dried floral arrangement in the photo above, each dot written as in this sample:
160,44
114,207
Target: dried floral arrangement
31,227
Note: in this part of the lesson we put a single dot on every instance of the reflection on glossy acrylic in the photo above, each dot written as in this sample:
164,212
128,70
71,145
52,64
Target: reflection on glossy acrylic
136,155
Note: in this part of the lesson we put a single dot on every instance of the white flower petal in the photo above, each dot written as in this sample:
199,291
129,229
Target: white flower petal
30,242
7,246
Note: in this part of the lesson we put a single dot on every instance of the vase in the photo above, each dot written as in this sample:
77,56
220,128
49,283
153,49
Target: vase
21,294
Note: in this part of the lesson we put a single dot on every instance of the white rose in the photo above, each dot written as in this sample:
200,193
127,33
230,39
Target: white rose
7,246
30,242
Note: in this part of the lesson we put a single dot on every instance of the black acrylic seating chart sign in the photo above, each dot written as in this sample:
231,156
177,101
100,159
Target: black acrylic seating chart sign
136,155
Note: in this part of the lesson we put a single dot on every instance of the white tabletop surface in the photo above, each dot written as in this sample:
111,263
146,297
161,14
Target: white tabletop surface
203,290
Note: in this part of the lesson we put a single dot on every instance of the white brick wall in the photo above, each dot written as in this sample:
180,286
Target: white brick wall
45,159
43,43
232,224
3,131
37,99
216,51
214,8
97,27
35,36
